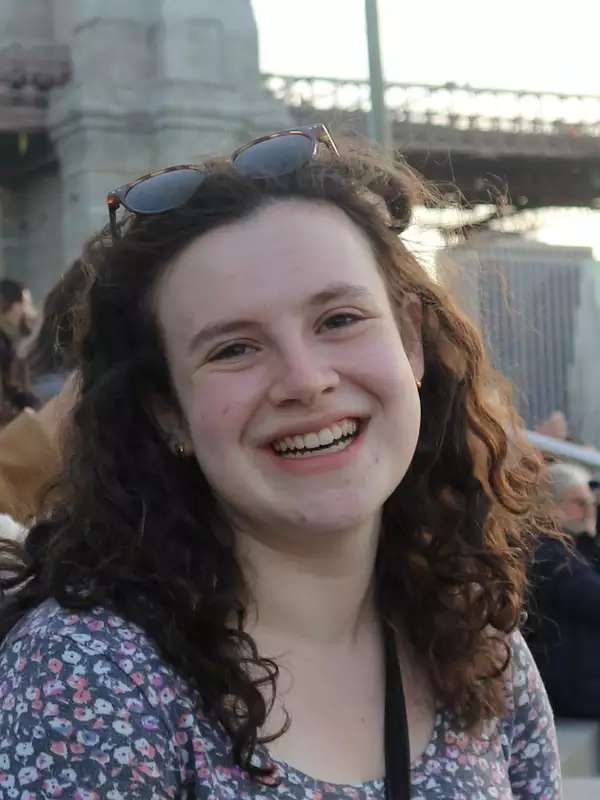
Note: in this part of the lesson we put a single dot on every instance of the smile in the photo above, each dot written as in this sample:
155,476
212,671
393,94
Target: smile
332,439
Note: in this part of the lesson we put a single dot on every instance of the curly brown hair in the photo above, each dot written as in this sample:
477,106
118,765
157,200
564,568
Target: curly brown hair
139,530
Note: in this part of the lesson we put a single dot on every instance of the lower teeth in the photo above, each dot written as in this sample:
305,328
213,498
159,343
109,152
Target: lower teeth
333,448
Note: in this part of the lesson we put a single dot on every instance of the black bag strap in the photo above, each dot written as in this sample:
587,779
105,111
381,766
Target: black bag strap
397,750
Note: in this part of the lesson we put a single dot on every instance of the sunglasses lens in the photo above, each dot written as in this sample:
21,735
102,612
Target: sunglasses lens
163,192
273,157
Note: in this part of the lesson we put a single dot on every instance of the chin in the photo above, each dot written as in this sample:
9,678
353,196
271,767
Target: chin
322,518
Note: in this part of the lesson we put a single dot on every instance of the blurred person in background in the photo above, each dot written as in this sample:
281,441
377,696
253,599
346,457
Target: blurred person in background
31,453
290,555
50,355
565,598
16,318
595,487
30,444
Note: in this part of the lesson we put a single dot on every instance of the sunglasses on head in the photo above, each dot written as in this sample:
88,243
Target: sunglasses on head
271,156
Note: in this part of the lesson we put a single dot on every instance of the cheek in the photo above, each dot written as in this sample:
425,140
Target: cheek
384,368
219,408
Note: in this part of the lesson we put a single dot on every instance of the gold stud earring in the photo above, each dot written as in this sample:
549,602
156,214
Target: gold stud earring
175,446
179,450
419,383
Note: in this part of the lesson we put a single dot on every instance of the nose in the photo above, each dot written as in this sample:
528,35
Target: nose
302,378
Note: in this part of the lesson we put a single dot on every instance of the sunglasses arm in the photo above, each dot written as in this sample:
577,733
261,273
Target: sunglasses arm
113,203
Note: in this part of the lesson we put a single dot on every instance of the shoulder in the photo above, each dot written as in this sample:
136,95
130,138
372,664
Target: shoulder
528,726
86,695
98,650
528,712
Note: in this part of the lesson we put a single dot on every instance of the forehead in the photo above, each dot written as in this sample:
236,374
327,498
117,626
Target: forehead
285,251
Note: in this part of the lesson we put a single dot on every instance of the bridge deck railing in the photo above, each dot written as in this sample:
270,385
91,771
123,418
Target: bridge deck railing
450,105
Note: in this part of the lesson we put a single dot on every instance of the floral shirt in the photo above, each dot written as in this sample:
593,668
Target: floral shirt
89,710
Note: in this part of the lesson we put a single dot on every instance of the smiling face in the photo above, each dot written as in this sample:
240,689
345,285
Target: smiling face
298,397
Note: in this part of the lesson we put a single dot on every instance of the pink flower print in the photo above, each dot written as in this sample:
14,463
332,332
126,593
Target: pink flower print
96,625
137,678
83,714
32,693
7,781
76,748
127,648
462,740
51,788
149,768
181,737
59,749
82,696
20,664
55,665
84,794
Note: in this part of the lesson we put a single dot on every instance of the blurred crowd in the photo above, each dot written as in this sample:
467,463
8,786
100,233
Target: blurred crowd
37,394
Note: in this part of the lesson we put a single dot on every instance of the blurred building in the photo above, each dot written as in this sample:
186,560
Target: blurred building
95,93
584,374
526,297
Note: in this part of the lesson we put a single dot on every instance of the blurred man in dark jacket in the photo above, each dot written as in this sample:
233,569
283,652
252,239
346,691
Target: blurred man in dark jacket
565,606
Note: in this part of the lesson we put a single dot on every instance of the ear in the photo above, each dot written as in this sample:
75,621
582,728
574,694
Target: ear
172,426
411,325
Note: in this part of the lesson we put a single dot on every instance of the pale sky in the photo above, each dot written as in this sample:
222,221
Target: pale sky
540,45
521,44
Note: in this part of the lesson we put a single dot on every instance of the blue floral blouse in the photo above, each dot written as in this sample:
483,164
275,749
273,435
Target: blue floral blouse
90,711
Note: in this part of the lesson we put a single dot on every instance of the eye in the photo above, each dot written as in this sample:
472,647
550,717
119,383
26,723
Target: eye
232,351
340,320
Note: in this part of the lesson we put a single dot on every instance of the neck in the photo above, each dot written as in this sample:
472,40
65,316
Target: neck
321,593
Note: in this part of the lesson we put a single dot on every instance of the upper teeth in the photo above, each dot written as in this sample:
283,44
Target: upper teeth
308,441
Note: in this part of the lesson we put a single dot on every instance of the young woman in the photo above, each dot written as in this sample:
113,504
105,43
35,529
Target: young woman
291,560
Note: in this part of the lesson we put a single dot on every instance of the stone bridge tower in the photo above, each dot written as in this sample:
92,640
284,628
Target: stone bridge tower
95,92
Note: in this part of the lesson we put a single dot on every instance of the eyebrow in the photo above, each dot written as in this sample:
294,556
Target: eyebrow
333,291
